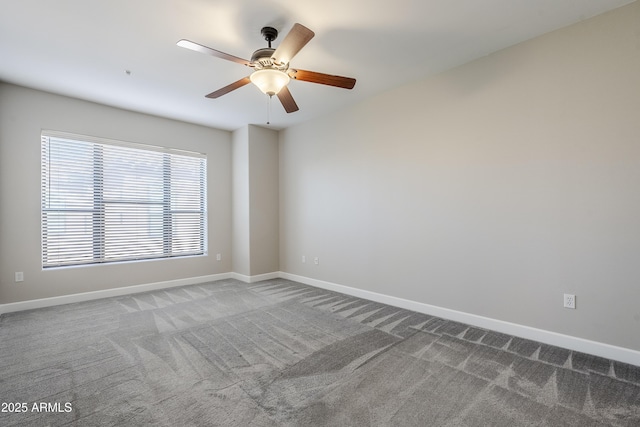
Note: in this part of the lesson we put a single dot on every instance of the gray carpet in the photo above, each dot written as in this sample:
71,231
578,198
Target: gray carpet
281,353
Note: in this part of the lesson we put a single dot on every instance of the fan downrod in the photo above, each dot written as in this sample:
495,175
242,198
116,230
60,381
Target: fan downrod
269,34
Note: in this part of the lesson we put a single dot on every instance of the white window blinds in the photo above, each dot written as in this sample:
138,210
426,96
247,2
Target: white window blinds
107,201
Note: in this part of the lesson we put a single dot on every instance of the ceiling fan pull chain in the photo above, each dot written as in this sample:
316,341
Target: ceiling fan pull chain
269,109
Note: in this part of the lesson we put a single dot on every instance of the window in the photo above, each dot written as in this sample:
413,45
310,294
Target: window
107,201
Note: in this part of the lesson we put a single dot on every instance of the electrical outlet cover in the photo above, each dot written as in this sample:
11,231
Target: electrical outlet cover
569,301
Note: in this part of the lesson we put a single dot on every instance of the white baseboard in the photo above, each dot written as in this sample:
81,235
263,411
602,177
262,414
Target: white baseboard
595,348
105,293
257,278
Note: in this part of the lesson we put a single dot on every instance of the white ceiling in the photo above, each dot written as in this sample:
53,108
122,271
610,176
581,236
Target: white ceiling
82,48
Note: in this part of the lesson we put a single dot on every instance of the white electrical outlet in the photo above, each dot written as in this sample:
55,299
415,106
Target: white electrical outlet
569,301
304,259
218,257
316,260
19,276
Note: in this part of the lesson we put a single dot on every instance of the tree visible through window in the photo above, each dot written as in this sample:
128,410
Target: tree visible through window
106,201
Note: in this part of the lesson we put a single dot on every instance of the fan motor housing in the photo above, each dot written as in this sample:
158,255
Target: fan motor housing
263,57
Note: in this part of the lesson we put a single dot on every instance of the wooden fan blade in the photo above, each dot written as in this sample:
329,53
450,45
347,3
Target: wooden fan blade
207,50
297,38
323,79
233,86
287,101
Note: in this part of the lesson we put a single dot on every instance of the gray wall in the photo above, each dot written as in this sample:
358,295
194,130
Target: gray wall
490,189
255,201
23,114
264,200
241,245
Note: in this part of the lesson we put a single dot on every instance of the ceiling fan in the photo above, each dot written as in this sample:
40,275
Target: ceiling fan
271,66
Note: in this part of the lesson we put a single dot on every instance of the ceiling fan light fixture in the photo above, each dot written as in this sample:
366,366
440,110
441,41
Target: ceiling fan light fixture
270,81
271,66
